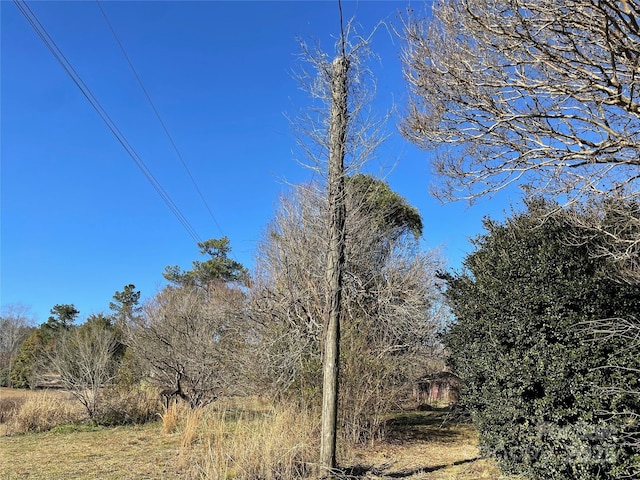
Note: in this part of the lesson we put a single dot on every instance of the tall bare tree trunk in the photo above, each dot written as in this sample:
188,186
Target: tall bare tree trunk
335,260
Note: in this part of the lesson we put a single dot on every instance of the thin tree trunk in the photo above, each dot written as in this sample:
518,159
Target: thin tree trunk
335,260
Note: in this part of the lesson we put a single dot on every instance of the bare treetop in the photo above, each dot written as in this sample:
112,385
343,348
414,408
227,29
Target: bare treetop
365,129
527,91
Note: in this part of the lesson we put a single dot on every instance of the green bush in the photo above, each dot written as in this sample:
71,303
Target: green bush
538,382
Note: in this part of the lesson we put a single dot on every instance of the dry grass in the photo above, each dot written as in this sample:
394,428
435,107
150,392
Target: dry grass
38,411
128,407
102,453
191,428
250,441
24,411
9,407
170,419
242,440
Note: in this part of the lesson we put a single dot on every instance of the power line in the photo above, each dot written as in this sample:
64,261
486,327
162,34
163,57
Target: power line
155,110
32,19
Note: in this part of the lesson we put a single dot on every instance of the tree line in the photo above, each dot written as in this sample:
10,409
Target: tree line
216,331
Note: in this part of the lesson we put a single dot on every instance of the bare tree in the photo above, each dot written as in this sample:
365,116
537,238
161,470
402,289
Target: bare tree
627,329
364,130
173,392
388,296
193,341
84,359
614,222
527,89
335,138
533,92
15,321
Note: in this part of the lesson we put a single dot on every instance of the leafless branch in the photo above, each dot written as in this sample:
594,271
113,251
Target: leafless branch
84,359
197,337
529,91
536,93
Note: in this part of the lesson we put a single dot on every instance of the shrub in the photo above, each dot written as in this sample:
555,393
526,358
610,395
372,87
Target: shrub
535,379
5,377
130,370
28,361
127,406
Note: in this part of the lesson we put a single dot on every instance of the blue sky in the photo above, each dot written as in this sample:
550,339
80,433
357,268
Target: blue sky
79,220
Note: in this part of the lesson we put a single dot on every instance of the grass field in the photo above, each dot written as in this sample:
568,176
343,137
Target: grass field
418,446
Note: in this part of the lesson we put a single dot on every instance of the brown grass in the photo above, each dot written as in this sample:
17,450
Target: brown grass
426,446
249,441
128,407
9,407
170,419
190,430
243,440
103,453
39,411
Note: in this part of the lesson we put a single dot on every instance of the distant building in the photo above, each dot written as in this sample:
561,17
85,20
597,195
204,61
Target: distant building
440,389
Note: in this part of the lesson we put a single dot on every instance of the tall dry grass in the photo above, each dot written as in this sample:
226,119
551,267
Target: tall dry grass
132,406
25,411
170,419
9,407
240,439
41,411
248,442
191,429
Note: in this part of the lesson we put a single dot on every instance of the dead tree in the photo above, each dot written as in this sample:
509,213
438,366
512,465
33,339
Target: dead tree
339,128
335,260
167,394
